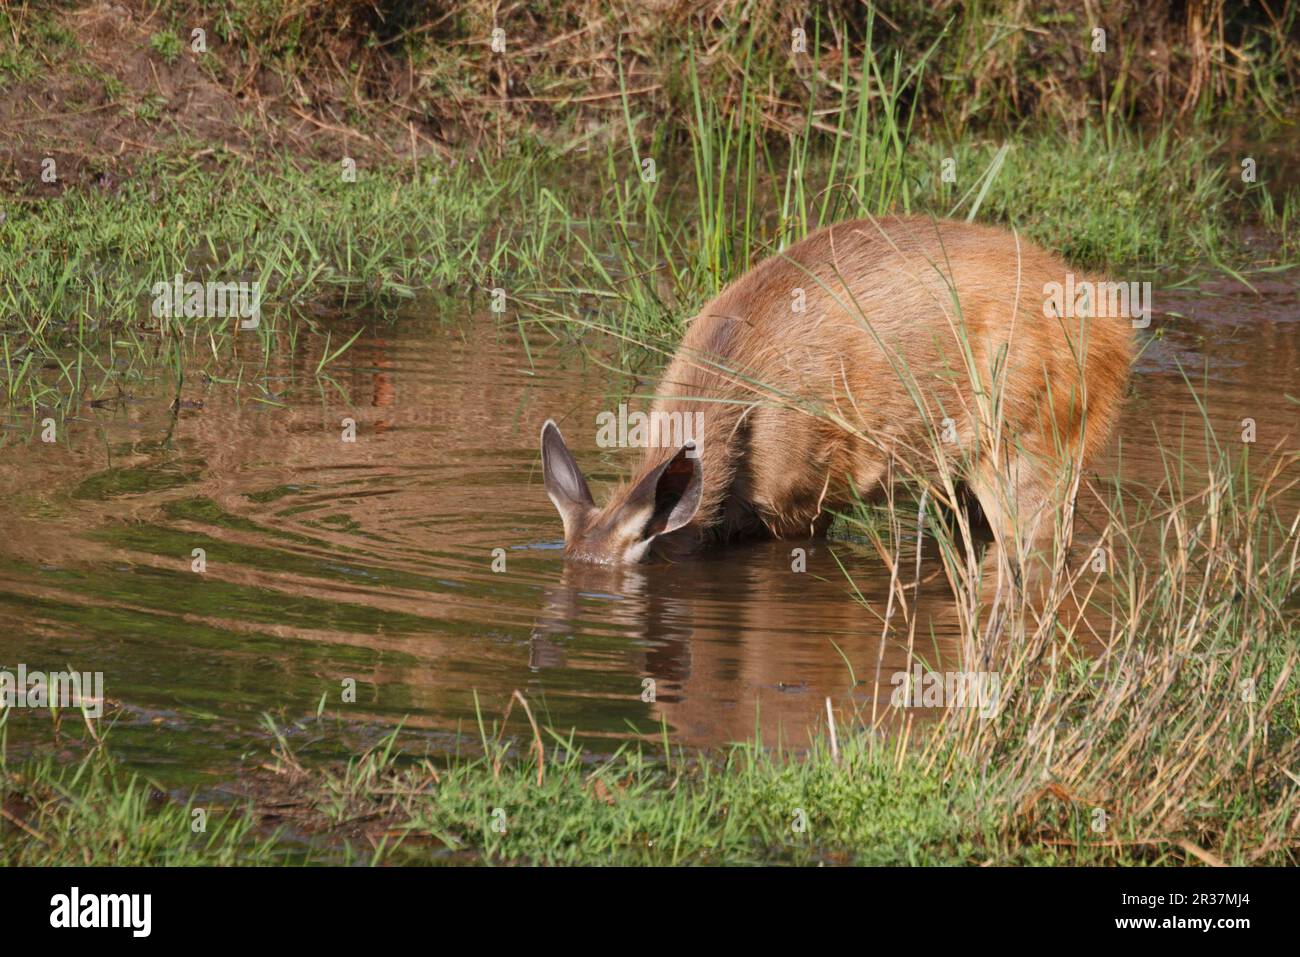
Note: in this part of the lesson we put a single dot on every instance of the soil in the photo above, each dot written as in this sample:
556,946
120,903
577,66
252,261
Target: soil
101,106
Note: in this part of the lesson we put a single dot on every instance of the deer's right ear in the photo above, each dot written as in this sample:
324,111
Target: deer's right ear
565,484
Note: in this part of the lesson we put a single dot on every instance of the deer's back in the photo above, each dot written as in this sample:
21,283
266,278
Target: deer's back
864,317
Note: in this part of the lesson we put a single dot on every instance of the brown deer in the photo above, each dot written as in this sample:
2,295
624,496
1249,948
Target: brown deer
869,349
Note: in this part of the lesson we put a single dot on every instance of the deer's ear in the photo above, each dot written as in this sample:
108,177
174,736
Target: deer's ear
671,493
565,485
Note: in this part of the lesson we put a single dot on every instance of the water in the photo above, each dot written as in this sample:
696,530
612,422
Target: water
371,561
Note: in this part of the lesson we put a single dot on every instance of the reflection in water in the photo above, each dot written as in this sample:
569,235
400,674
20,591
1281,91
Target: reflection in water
372,560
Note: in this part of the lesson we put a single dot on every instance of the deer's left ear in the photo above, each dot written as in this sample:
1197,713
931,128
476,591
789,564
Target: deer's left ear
565,484
671,494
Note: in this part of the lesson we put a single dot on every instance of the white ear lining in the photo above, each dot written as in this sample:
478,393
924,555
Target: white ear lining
636,552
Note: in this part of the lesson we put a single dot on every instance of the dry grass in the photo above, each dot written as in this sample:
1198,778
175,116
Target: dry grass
1147,666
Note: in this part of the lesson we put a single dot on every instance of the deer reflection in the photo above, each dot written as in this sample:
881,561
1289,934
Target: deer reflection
739,641
752,638
634,599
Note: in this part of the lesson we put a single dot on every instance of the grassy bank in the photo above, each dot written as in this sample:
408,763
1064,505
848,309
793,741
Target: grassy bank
572,236
91,813
868,803
746,806
80,269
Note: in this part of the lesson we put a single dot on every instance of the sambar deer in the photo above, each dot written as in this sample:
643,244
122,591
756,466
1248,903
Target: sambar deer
902,340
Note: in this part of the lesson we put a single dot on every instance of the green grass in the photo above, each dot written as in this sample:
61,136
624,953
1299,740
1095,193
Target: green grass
167,45
80,268
26,40
92,813
1142,202
643,256
745,805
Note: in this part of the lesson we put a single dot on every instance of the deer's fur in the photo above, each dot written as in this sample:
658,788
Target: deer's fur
918,341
